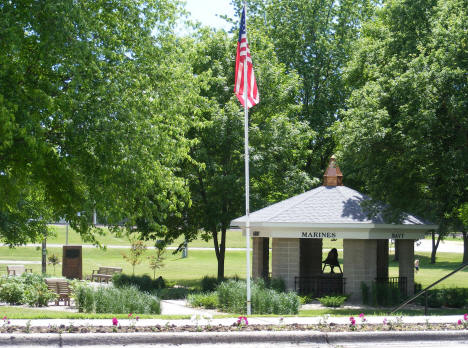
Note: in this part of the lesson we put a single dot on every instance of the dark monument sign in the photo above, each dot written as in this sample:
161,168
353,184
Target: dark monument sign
72,261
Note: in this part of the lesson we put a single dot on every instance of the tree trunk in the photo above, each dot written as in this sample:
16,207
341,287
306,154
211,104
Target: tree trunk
435,245
220,250
465,246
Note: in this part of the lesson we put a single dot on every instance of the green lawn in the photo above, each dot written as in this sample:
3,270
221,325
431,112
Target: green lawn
190,270
234,239
16,312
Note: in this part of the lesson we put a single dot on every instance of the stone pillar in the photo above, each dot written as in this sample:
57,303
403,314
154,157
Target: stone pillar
285,260
406,263
311,257
260,257
382,258
359,265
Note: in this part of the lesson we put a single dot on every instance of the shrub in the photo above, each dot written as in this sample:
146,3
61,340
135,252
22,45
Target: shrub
209,284
172,293
455,297
109,299
12,290
36,292
207,300
232,298
84,298
332,301
276,284
28,289
143,283
306,298
449,297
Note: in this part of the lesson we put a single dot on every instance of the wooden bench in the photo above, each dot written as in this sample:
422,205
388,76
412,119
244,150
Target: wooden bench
17,270
104,274
62,288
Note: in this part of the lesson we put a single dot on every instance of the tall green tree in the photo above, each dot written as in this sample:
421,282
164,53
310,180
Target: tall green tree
313,38
404,136
92,114
278,141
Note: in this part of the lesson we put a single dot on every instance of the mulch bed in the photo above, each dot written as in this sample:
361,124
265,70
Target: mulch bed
219,328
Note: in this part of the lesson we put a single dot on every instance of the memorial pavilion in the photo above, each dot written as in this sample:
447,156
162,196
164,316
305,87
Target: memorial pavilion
298,226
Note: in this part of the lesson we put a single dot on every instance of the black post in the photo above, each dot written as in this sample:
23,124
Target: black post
425,303
44,256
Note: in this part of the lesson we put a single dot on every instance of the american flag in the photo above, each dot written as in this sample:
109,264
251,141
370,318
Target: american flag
243,56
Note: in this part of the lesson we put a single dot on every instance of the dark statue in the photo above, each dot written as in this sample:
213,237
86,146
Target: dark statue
332,261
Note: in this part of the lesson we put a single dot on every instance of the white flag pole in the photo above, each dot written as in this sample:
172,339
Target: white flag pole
247,176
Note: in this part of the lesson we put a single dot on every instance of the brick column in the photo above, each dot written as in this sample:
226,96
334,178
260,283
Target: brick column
359,265
406,263
285,260
260,257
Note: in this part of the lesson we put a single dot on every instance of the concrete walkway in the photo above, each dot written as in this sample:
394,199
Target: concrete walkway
207,319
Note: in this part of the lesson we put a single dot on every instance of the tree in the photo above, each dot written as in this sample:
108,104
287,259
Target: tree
92,115
278,141
463,213
403,137
54,261
315,40
156,261
137,249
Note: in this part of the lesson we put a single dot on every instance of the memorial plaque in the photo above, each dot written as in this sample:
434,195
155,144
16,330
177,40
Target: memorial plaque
72,262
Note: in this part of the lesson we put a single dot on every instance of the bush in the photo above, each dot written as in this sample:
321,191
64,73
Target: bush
276,284
209,284
36,292
143,283
455,297
232,298
12,290
109,299
172,293
332,301
381,294
207,300
84,298
28,289
449,297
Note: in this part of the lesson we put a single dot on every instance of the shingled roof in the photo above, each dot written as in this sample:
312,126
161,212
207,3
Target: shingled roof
332,204
323,205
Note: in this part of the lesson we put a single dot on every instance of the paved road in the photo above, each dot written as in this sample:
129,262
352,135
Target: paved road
430,344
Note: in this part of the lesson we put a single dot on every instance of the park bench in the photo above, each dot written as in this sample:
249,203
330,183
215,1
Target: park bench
17,270
104,274
62,288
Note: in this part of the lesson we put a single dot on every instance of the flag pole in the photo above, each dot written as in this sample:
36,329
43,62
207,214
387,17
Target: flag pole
247,178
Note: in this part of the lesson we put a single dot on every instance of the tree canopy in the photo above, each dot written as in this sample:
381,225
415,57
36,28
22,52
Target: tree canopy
278,141
404,133
313,39
92,103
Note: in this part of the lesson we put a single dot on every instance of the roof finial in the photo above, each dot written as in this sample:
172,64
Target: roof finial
333,175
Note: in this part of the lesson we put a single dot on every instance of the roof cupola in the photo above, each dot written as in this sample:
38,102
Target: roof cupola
333,175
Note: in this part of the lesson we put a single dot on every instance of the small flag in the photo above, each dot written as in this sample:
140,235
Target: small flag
243,57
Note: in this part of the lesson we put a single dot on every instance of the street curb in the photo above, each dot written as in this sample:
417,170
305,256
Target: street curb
177,338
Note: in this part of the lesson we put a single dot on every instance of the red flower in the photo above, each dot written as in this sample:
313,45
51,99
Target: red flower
115,322
459,322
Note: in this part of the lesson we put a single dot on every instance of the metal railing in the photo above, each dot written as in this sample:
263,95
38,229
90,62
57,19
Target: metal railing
320,286
424,291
